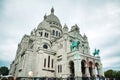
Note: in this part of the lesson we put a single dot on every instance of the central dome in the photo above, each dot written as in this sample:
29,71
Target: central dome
52,17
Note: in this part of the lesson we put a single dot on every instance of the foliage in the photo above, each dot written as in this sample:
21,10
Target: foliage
112,74
4,70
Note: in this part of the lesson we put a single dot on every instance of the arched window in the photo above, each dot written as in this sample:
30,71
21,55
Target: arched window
58,68
53,32
45,62
48,61
56,33
40,33
45,46
59,34
46,34
52,63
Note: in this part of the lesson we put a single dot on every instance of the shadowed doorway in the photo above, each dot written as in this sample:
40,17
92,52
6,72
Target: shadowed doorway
83,67
72,70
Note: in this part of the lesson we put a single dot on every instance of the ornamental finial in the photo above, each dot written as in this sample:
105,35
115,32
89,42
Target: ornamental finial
52,10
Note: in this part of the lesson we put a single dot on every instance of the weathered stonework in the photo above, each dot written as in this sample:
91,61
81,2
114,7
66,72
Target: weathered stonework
47,52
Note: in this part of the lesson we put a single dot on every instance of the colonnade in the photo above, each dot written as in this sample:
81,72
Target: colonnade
82,68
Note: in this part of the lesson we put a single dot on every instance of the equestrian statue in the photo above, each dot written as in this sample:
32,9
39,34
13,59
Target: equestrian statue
96,52
75,44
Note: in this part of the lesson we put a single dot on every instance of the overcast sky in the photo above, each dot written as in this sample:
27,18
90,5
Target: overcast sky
98,19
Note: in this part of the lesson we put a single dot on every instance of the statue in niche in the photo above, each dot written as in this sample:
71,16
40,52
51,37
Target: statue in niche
75,44
96,52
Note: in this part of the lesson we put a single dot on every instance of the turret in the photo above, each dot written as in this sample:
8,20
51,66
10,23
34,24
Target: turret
85,38
75,31
75,28
65,29
45,16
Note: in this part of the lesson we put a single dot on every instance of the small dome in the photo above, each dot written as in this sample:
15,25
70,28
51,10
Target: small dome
44,25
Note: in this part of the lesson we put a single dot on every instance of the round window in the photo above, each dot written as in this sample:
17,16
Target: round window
45,46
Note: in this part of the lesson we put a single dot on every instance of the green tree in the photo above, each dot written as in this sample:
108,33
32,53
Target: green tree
112,74
4,70
109,73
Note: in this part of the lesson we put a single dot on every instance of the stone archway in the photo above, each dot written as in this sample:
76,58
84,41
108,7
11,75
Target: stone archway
72,69
90,68
83,67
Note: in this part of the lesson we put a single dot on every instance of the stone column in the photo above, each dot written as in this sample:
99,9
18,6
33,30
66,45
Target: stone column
98,70
87,71
94,72
101,70
77,63
77,67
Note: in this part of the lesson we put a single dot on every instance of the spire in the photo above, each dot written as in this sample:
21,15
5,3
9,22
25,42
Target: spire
45,16
65,26
85,37
52,10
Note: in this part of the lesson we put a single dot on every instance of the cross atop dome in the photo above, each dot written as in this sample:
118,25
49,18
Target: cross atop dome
52,10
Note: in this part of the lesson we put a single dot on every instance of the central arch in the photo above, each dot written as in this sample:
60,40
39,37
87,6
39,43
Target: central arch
72,70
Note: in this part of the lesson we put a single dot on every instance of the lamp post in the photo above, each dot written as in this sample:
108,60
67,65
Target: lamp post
30,74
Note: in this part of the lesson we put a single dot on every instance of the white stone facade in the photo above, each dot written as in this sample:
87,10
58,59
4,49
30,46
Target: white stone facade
46,52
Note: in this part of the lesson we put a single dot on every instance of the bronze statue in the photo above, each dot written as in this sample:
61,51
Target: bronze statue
74,45
96,52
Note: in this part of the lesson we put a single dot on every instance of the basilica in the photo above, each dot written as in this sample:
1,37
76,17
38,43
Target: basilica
52,50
